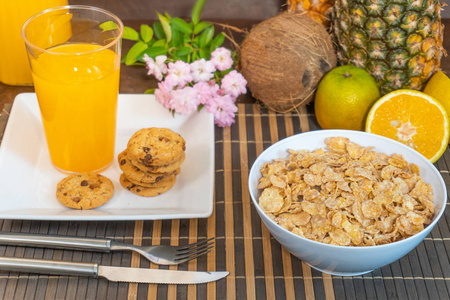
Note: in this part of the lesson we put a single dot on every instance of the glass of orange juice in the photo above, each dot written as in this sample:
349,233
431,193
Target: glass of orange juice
74,54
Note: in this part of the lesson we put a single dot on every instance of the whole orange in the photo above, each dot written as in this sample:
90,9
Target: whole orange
344,97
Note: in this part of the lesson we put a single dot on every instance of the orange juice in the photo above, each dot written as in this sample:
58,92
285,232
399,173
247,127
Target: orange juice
14,67
77,87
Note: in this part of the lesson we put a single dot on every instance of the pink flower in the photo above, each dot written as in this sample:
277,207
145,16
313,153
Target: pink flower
156,67
180,73
202,70
164,94
206,91
234,84
184,101
223,109
221,58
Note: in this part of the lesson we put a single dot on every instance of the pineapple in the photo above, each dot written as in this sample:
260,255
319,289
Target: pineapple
318,10
398,42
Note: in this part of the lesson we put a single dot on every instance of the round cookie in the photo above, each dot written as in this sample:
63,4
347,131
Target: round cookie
159,169
84,191
142,190
155,146
137,175
160,183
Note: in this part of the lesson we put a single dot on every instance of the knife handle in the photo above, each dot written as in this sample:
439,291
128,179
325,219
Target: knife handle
54,241
48,266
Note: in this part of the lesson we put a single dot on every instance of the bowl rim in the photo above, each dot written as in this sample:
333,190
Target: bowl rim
408,240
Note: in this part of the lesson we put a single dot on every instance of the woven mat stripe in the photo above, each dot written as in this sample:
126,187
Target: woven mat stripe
136,258
192,265
156,240
228,209
211,257
265,235
174,241
246,206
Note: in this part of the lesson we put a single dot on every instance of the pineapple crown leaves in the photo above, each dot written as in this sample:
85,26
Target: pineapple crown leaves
173,37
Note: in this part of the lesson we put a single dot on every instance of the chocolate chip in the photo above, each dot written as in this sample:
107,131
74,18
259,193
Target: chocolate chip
76,199
146,149
138,190
65,194
123,161
147,159
159,178
84,183
94,186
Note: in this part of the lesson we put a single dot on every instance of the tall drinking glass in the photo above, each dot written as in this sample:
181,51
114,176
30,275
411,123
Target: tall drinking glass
74,54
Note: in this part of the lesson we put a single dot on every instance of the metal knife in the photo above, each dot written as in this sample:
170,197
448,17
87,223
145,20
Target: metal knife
122,274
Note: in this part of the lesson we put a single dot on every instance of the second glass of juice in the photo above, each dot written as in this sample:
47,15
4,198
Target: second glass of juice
74,54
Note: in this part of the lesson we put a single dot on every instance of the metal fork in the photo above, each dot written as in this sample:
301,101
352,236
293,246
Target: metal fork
158,254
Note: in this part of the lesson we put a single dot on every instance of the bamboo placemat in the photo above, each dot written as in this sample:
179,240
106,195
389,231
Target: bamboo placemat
259,267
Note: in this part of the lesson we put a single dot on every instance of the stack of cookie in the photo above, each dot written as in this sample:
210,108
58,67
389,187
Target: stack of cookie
151,161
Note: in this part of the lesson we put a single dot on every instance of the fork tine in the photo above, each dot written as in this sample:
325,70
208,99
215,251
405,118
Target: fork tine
187,253
194,249
189,246
191,257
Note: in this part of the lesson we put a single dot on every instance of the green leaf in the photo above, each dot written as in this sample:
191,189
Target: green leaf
206,37
152,52
195,56
204,53
217,41
177,38
149,91
108,25
134,52
183,51
130,34
166,27
201,26
160,43
146,33
159,31
197,11
181,25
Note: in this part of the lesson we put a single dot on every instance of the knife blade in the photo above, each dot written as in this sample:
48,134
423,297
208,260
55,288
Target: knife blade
121,274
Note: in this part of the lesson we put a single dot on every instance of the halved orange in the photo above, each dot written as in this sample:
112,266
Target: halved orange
413,118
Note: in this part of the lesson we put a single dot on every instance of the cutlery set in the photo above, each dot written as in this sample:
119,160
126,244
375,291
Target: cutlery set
158,254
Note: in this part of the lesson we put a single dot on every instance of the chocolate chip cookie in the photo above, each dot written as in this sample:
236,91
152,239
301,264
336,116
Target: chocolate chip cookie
159,169
142,190
135,174
155,147
84,191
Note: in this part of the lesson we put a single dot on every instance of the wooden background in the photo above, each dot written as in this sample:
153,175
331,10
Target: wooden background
214,9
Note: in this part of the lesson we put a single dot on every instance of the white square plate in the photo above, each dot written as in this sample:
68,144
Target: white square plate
28,179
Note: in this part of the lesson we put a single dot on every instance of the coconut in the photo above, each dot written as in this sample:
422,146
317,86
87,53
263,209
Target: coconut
283,59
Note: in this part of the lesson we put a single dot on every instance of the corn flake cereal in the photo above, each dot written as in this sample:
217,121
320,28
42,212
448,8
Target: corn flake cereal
346,195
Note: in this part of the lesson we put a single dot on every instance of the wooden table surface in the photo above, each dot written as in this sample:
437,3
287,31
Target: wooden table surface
259,267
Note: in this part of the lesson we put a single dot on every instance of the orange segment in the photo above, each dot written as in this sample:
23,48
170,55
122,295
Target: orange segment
413,118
